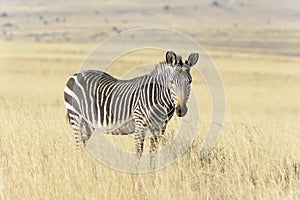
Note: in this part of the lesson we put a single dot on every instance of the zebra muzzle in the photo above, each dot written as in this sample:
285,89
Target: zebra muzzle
181,111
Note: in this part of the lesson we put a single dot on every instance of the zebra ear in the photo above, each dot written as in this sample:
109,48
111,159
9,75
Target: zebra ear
193,58
171,57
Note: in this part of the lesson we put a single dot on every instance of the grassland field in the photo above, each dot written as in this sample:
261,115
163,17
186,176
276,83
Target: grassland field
256,157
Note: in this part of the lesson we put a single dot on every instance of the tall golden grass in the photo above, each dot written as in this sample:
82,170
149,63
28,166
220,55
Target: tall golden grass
256,157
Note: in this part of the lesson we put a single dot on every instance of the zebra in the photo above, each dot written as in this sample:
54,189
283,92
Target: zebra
96,100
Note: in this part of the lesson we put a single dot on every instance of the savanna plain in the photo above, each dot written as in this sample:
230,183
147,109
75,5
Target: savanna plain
256,157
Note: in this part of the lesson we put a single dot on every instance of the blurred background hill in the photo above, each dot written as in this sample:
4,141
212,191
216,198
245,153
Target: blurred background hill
265,26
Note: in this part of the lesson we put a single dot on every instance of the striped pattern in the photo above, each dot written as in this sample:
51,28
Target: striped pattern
96,100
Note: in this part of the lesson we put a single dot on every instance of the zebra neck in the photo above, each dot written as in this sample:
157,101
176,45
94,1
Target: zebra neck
165,94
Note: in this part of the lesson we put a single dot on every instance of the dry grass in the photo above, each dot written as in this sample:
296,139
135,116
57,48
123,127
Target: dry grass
257,157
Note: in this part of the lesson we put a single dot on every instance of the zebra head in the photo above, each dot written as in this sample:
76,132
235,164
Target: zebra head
180,80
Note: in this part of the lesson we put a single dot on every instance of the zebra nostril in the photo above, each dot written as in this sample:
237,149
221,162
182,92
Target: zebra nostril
181,111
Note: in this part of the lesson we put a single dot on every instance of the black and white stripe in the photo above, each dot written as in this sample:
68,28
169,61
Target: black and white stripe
96,100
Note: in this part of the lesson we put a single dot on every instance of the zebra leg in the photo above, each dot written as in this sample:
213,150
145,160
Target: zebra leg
76,137
85,131
139,137
154,140
74,120
153,148
153,143
163,129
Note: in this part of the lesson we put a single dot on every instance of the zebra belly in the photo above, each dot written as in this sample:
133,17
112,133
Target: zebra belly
125,127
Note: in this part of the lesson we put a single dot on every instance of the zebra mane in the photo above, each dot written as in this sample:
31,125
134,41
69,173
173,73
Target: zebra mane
166,70
161,68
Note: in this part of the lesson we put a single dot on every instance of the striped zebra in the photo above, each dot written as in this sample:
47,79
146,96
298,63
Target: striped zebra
96,100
